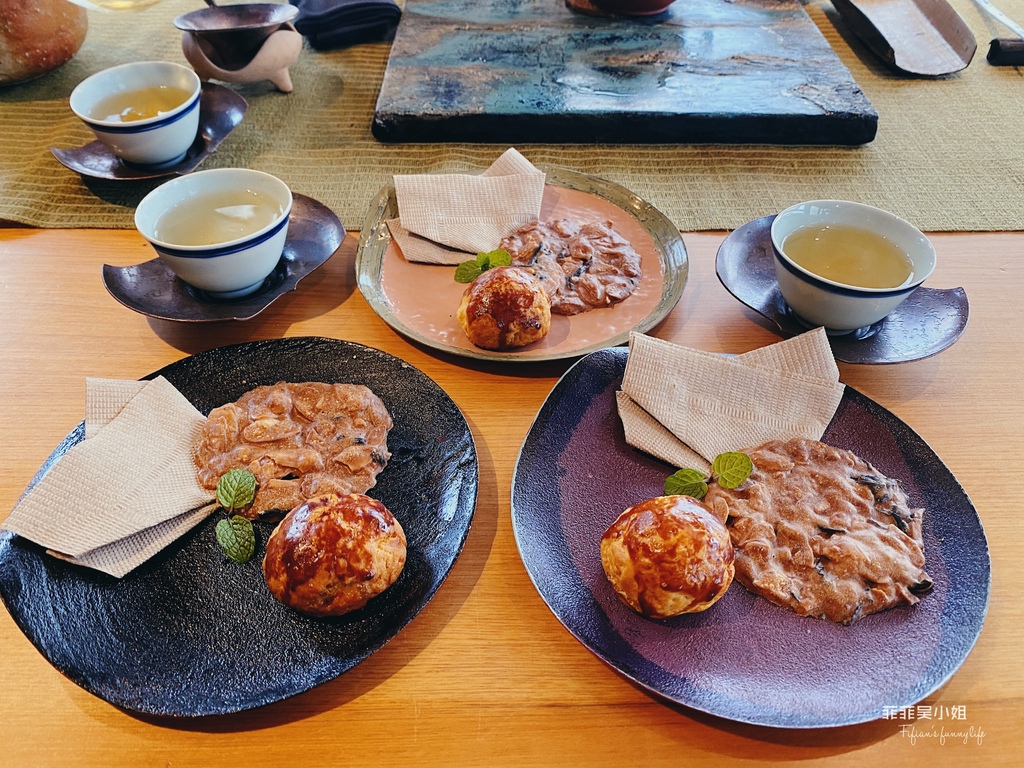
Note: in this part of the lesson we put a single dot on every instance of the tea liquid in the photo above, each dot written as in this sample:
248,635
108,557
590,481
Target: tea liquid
849,255
216,217
140,104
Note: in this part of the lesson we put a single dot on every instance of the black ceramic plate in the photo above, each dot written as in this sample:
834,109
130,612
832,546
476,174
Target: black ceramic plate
744,659
927,322
189,633
220,112
314,234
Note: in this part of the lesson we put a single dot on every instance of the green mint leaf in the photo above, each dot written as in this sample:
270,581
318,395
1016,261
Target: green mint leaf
467,272
236,538
497,258
236,489
732,469
686,482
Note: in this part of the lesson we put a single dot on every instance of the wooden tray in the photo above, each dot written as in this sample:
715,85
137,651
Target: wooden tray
916,37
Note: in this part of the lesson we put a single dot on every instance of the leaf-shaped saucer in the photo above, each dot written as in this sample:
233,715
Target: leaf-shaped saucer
314,235
220,112
929,321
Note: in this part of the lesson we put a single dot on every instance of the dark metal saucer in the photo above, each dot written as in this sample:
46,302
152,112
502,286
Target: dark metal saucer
220,112
929,321
314,234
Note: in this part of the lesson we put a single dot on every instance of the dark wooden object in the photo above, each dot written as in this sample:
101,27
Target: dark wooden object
915,37
1006,52
751,71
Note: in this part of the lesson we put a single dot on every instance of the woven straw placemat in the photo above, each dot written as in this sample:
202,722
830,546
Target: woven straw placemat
949,154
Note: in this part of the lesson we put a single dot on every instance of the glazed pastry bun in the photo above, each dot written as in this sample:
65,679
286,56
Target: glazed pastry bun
668,555
505,308
331,554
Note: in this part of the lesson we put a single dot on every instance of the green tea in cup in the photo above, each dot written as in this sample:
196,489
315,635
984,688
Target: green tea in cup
139,104
849,255
217,217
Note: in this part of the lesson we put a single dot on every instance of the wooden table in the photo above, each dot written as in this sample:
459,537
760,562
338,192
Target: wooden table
486,675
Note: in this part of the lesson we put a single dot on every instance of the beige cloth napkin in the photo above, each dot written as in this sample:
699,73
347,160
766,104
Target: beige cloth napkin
422,250
469,212
686,406
128,489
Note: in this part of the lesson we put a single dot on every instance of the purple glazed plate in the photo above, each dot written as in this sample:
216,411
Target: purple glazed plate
220,112
744,659
314,235
929,321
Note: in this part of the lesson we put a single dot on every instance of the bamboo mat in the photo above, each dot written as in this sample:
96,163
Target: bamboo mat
949,154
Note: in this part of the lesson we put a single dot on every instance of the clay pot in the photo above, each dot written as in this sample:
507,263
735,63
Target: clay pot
634,7
37,36
242,43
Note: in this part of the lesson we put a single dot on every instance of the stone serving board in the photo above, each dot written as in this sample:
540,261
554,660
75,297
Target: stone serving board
722,71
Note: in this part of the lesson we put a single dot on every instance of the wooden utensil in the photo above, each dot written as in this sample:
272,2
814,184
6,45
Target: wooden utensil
1004,51
916,37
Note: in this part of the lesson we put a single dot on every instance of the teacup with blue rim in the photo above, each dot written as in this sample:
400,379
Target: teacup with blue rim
222,231
146,112
846,265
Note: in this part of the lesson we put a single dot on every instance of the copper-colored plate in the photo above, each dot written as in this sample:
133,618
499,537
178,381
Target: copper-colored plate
220,112
917,37
420,300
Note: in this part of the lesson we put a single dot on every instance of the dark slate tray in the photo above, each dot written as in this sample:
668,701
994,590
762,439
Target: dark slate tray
750,71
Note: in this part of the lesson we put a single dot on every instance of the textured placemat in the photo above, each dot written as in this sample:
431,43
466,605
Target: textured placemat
948,155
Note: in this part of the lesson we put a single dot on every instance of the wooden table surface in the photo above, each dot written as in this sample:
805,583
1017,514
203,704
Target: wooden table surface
486,675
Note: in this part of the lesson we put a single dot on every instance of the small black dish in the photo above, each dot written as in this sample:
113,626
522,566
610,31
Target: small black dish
929,321
314,234
220,112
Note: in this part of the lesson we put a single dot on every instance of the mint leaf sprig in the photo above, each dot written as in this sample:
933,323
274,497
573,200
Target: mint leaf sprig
236,537
236,490
729,470
468,271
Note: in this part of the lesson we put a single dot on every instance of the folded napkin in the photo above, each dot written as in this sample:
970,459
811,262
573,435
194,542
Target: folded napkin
338,23
468,212
422,250
128,489
686,406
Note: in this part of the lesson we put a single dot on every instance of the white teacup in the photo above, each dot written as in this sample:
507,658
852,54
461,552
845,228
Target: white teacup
222,231
151,133
842,307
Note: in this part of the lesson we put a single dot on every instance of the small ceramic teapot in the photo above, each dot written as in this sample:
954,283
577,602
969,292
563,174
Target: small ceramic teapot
37,36
620,7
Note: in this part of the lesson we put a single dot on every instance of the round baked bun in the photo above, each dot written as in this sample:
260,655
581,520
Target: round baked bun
668,555
505,308
37,36
331,554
